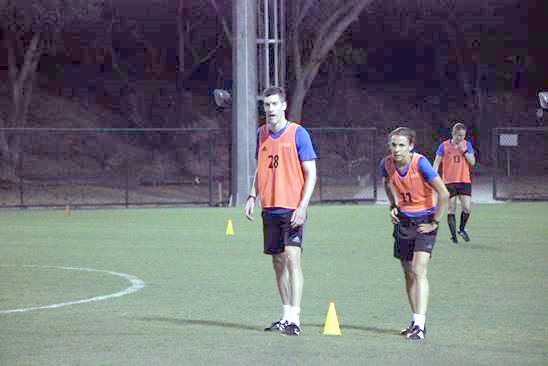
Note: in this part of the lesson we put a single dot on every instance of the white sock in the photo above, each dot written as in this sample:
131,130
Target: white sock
286,311
420,320
295,315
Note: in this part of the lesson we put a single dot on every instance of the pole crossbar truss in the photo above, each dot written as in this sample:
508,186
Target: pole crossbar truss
271,48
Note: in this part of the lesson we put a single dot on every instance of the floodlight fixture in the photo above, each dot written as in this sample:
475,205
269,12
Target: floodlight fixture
543,99
222,98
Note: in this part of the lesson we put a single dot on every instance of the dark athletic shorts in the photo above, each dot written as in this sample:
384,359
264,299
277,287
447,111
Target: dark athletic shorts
278,233
408,240
459,189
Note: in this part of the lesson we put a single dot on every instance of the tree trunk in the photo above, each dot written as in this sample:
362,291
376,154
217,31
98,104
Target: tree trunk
179,82
22,84
484,135
335,68
8,160
222,19
302,86
297,101
22,79
328,33
4,147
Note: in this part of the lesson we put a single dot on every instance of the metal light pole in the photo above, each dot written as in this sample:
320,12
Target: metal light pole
244,111
271,34
258,30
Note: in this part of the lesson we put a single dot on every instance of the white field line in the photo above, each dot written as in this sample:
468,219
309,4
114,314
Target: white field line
136,285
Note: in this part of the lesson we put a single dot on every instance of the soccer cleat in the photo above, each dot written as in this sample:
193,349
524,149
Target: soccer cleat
454,239
277,326
464,235
291,330
416,333
406,331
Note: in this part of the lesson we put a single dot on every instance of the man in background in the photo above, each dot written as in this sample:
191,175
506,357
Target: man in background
457,157
284,182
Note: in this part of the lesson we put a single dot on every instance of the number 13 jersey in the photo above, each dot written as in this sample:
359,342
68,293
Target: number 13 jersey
455,169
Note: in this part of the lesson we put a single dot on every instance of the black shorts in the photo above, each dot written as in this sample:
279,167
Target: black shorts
408,240
459,189
278,233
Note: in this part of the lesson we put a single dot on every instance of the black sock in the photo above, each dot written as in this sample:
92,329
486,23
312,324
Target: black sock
463,219
452,224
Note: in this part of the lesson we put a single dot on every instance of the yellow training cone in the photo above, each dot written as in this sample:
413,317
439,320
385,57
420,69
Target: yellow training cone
331,326
229,228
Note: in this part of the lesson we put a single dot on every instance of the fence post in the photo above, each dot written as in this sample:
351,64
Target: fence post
494,145
319,164
375,164
19,173
126,195
210,168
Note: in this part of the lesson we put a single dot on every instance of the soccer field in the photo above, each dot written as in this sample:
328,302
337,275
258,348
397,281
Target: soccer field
205,297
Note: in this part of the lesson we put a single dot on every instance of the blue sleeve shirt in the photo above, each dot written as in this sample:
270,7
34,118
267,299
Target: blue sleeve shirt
303,140
427,170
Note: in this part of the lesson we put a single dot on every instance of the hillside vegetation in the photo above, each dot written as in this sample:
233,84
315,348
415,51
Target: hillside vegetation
82,99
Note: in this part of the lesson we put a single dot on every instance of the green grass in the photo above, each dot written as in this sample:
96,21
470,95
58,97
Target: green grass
208,295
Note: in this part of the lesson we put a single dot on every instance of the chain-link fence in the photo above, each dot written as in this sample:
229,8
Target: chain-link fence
56,167
347,165
521,163
133,167
97,167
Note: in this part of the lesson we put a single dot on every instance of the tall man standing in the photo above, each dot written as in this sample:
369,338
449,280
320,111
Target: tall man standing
284,182
411,185
457,156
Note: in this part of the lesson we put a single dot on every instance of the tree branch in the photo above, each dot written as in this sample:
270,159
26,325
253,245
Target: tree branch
31,59
180,37
301,13
113,56
222,19
332,30
12,62
296,42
